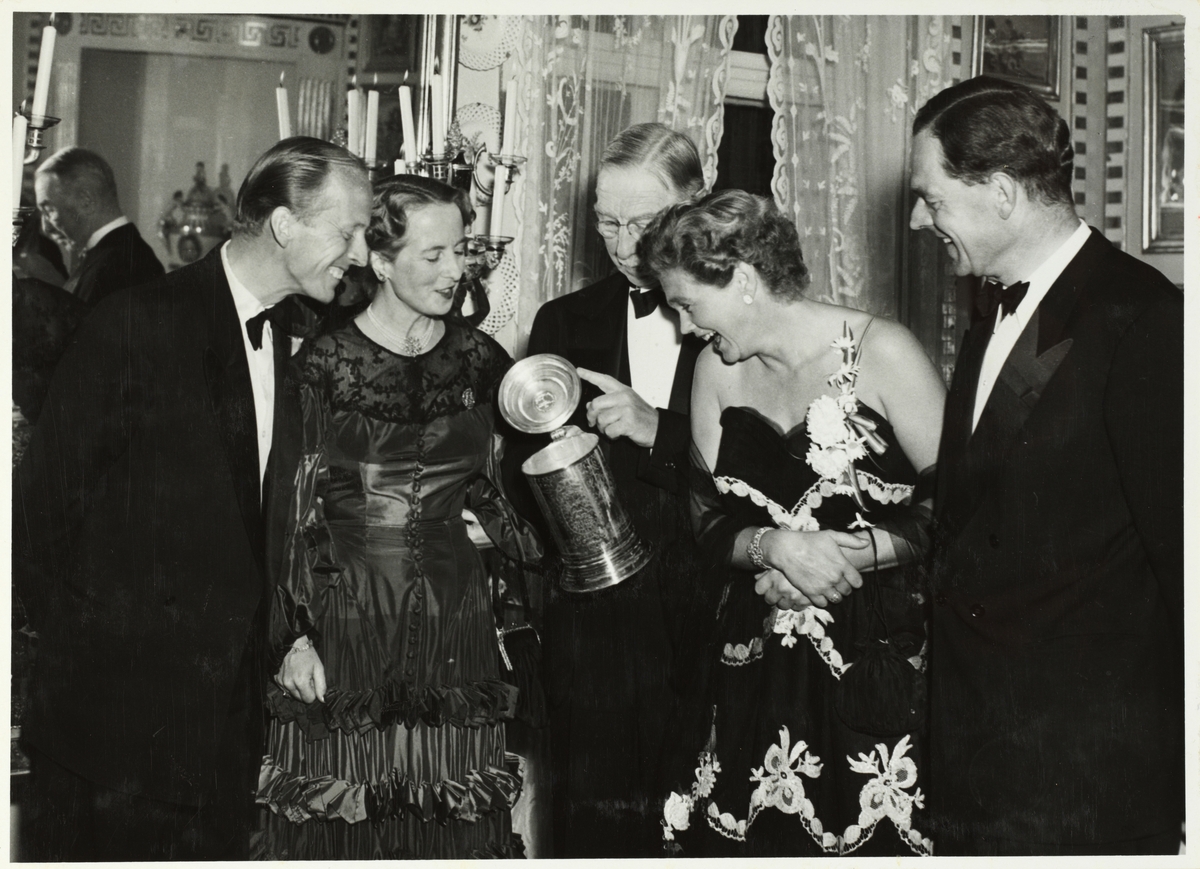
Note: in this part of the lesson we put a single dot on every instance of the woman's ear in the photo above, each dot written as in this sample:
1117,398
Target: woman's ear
379,265
745,282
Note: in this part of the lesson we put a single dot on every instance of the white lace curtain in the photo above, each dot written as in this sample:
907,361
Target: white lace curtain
844,90
581,79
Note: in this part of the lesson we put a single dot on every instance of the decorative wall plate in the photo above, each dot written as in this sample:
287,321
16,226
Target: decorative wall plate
486,40
480,125
502,294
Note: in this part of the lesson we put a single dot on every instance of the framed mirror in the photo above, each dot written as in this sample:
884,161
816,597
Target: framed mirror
1162,147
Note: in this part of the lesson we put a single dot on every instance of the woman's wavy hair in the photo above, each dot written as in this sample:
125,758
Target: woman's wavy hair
987,125
398,197
707,239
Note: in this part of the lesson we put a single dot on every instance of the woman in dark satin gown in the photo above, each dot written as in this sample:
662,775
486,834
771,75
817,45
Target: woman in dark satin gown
810,422
386,736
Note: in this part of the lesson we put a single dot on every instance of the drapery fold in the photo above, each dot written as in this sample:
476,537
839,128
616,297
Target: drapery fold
581,80
844,90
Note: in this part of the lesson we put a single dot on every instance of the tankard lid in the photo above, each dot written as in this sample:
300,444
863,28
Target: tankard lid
539,393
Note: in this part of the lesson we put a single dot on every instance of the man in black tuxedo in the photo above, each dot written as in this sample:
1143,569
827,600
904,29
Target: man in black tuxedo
148,528
77,196
1056,656
609,653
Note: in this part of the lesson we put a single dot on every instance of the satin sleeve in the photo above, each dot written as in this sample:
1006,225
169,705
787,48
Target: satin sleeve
512,535
310,562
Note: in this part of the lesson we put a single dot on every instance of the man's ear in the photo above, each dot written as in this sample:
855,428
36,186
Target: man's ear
283,225
1008,191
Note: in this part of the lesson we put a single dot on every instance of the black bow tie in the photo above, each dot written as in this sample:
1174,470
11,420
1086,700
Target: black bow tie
1005,298
254,326
646,301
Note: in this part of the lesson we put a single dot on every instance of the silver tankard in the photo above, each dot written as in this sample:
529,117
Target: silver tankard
569,478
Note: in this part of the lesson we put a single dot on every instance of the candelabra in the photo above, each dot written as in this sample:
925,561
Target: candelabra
35,143
511,162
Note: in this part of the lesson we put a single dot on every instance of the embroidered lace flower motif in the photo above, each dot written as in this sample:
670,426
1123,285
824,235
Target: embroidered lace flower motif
860,522
887,795
676,815
779,778
810,622
706,776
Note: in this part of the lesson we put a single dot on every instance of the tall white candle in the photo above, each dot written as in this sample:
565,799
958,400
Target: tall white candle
19,129
372,126
406,124
41,88
438,109
282,109
354,121
510,118
496,223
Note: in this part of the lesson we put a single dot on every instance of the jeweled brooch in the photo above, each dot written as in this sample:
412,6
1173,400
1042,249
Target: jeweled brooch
468,398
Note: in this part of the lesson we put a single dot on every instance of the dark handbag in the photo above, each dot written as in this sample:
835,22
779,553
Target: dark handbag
520,647
881,694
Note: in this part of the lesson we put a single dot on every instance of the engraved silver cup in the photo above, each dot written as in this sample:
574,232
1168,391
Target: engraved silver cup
569,478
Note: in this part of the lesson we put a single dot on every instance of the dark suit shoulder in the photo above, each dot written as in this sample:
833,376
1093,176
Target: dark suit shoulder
585,301
1125,281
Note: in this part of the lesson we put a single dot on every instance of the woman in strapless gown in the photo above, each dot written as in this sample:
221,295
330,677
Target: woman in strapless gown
386,735
815,431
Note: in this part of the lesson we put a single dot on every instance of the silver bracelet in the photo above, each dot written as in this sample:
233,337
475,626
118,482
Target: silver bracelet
307,645
754,550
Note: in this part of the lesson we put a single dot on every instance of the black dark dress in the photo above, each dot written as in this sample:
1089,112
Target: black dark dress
406,758
770,769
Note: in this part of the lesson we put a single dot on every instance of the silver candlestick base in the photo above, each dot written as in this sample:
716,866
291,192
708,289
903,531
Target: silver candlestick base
35,137
487,190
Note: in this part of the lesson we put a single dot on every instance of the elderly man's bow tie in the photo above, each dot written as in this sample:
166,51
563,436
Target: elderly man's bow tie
646,302
254,326
1005,298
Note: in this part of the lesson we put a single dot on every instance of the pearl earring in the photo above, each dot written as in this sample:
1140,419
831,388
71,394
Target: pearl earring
748,299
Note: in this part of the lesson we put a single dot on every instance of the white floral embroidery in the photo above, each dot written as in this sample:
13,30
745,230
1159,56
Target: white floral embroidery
741,653
810,622
887,795
676,815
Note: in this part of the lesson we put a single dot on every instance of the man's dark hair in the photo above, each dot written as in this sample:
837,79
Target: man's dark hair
987,125
290,174
78,167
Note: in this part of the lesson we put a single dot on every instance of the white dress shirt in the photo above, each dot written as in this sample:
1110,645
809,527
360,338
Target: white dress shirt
262,362
94,238
1008,329
653,343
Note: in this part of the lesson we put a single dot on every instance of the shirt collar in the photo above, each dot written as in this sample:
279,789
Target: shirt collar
1044,276
94,238
246,302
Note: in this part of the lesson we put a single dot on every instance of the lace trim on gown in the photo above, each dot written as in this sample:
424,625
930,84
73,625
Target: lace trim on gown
461,370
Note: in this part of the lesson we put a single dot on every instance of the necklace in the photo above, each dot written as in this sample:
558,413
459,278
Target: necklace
409,346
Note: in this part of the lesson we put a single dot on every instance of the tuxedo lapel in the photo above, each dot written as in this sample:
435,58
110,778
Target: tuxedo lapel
681,386
959,414
971,461
227,374
598,334
286,448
